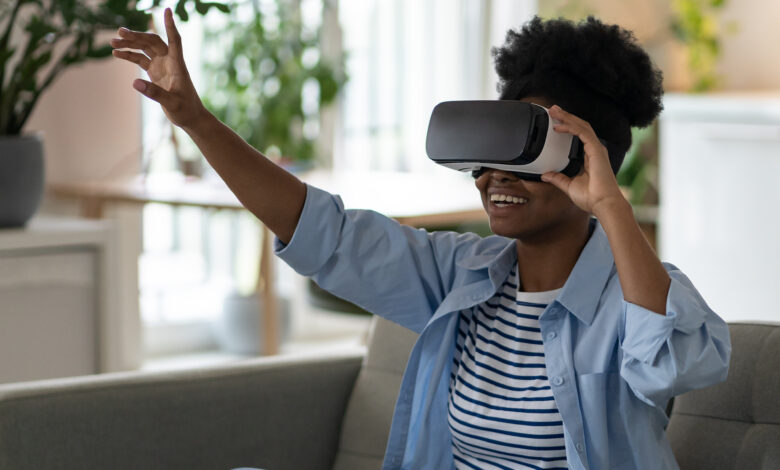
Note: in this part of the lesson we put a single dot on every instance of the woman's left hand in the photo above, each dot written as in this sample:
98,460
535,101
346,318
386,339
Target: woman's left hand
595,186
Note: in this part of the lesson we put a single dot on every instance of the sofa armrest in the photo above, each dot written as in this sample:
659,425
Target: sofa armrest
272,413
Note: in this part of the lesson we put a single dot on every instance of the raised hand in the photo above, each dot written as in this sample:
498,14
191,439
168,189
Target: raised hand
596,185
170,83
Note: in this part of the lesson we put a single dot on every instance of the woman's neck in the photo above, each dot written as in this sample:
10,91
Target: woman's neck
546,264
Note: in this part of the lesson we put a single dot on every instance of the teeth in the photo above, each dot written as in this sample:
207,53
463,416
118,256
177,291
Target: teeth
507,198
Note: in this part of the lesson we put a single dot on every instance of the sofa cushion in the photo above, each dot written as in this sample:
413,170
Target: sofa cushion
735,424
366,424
277,413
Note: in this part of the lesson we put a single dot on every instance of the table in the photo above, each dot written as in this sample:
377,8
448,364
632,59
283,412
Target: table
416,200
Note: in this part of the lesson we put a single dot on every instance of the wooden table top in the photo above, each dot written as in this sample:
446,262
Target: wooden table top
411,199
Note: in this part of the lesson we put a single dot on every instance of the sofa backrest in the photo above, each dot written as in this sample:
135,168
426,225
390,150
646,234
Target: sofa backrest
366,423
732,425
735,424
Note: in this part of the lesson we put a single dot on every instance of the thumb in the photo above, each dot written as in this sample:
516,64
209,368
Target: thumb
153,91
559,180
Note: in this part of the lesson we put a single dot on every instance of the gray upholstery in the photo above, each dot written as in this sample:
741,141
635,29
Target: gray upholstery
331,412
267,413
736,424
369,413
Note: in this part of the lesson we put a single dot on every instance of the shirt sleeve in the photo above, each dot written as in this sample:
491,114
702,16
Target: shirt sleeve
688,348
395,271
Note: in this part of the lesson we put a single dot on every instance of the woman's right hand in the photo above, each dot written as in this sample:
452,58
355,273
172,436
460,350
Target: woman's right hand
170,84
273,195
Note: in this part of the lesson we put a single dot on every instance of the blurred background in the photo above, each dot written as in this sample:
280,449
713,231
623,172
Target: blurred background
138,257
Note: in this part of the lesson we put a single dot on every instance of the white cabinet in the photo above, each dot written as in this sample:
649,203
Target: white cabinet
719,215
56,303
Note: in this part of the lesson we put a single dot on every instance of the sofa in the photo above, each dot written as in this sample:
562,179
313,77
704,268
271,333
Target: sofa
330,412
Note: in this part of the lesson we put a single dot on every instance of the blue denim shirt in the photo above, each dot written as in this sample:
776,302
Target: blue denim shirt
612,365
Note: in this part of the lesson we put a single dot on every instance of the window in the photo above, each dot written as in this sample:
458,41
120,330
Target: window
403,57
192,258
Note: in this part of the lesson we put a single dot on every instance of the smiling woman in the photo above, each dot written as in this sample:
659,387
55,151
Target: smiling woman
544,213
608,314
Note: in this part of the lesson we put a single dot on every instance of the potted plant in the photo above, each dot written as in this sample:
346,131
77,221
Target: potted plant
39,39
267,79
697,25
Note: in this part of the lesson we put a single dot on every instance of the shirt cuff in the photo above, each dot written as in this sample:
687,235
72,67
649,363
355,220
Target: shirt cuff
316,235
646,331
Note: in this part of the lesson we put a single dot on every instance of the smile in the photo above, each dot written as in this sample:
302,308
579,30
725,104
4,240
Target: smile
504,200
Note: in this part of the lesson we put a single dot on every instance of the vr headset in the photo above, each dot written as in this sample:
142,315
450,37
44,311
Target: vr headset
507,135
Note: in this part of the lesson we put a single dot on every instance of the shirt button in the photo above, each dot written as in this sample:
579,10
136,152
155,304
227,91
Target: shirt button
579,447
557,380
551,335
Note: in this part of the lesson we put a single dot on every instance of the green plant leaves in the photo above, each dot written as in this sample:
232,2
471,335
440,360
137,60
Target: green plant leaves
6,54
38,29
264,81
204,7
639,165
70,27
696,24
181,11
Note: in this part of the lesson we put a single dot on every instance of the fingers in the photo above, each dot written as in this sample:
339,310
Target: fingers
559,180
562,115
152,91
570,123
578,127
585,135
174,39
133,57
150,43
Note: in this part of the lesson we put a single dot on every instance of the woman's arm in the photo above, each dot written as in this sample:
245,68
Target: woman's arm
643,278
272,194
672,342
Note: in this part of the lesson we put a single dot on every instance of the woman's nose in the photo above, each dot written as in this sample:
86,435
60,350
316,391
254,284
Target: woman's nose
502,176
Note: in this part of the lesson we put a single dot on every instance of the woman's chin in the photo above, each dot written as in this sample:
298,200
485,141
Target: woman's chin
503,230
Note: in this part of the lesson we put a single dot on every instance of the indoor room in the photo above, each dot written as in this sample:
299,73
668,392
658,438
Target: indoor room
252,234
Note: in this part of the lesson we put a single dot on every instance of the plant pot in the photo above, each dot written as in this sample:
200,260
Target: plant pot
21,178
238,329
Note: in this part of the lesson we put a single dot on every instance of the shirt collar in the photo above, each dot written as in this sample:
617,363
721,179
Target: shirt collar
581,292
498,261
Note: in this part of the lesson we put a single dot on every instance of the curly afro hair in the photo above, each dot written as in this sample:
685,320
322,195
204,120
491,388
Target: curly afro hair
593,70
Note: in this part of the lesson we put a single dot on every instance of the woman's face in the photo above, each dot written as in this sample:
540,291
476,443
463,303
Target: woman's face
526,210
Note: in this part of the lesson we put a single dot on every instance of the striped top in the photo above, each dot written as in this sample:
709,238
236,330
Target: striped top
502,414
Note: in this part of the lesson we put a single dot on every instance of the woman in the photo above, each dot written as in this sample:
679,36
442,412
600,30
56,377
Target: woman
556,343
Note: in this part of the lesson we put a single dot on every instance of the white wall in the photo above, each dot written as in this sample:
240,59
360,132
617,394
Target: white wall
91,121
748,55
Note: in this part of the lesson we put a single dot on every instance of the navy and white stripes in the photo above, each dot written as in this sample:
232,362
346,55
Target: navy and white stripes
502,414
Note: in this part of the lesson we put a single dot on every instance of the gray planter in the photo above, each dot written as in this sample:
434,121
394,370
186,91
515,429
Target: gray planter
21,178
238,329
